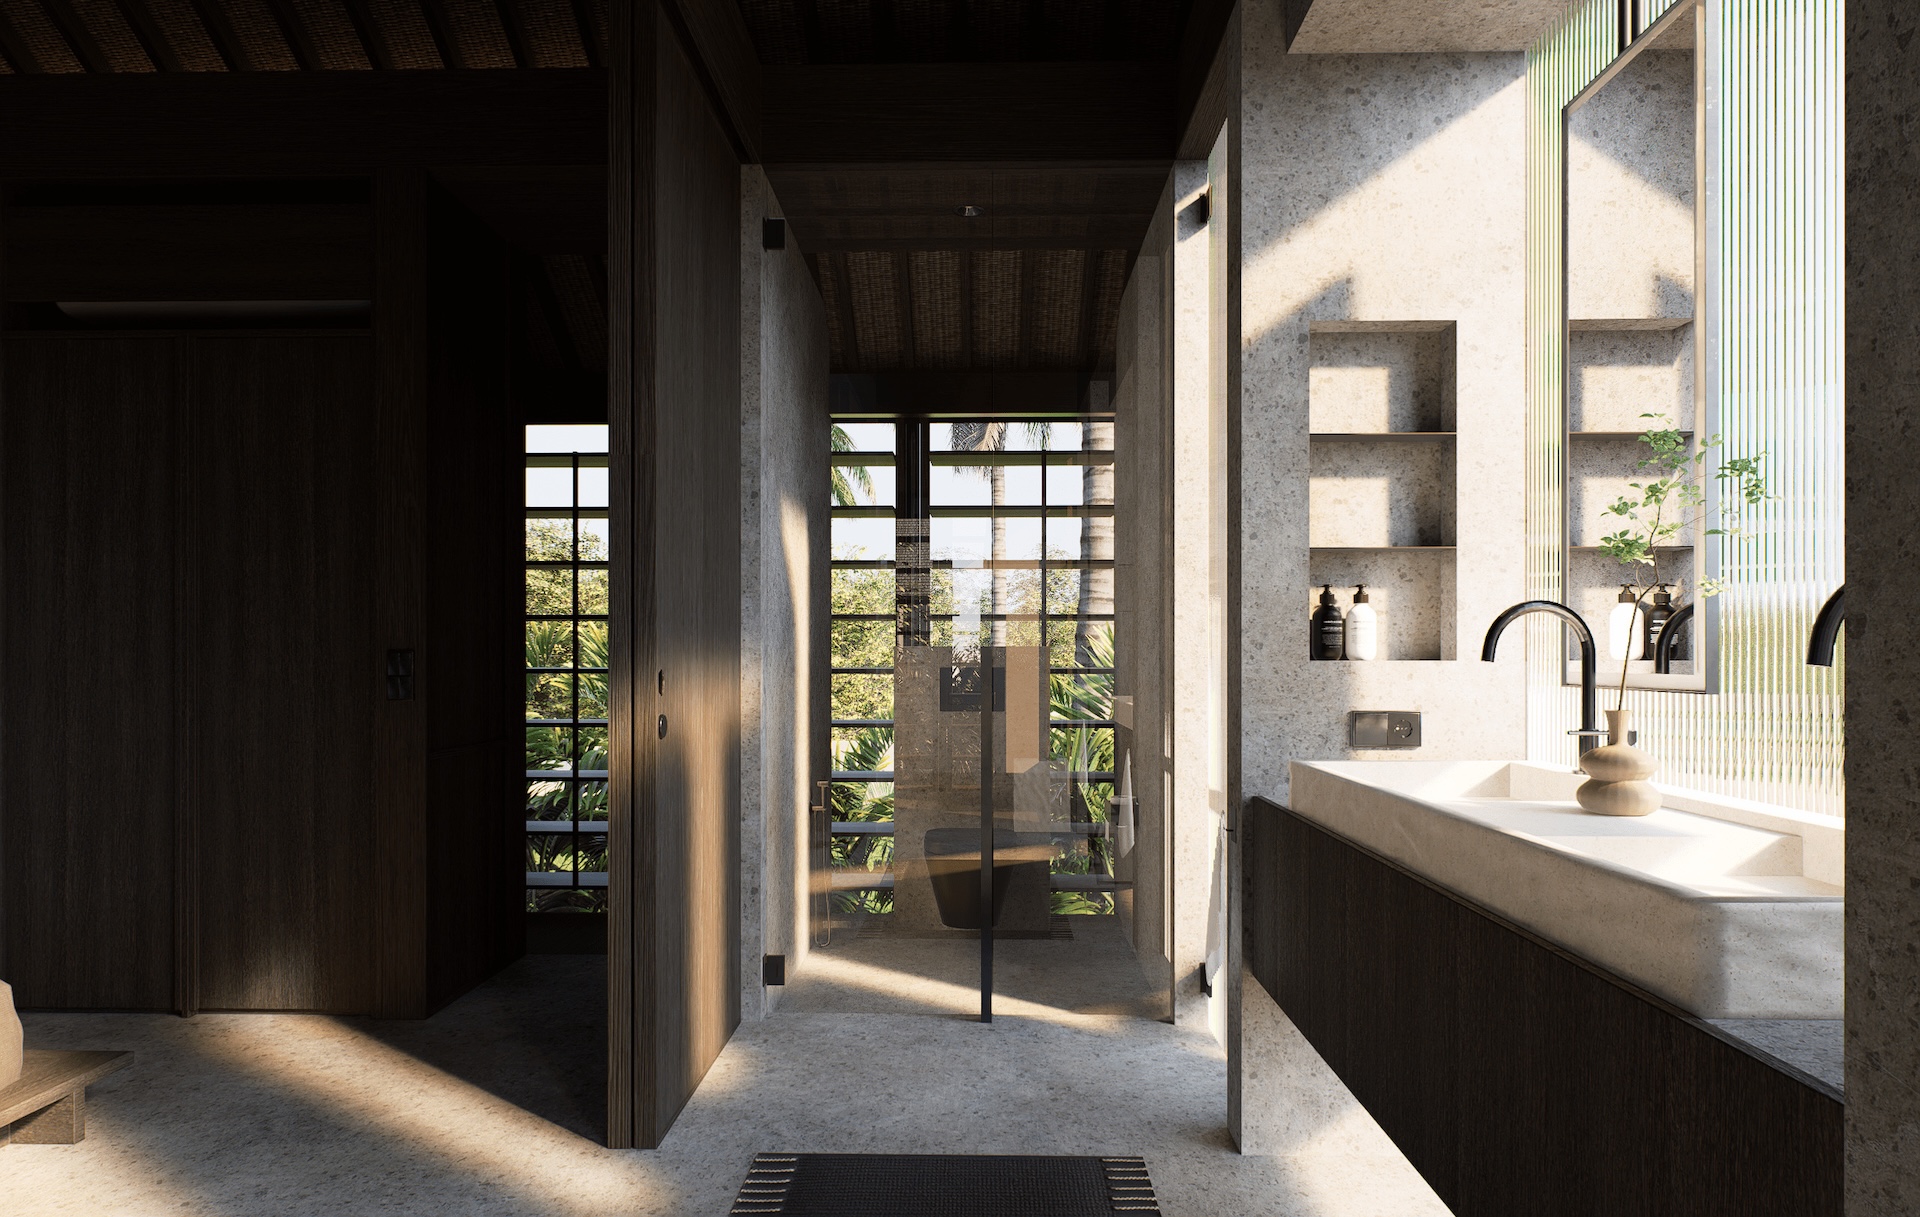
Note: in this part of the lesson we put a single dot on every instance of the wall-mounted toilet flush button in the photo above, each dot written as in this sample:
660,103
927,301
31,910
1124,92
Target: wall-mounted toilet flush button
1383,729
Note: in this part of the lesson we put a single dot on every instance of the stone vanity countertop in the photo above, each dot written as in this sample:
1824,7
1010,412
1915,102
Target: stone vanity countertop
1724,918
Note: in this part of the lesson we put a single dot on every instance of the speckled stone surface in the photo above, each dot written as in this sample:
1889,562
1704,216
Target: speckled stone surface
783,414
1378,189
477,1112
1630,193
1382,26
1142,400
1883,620
1814,1046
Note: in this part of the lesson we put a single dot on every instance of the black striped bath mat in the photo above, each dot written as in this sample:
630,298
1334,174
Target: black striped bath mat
944,1185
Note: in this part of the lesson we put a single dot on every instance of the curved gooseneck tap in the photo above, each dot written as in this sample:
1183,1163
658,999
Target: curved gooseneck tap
1669,639
1589,658
1826,629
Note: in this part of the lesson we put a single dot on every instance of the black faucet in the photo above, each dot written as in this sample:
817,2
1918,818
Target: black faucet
1589,659
1669,639
1826,629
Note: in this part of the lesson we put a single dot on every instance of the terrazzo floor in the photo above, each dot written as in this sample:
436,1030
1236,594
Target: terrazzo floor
493,1107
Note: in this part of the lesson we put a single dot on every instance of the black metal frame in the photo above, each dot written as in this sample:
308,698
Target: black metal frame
574,777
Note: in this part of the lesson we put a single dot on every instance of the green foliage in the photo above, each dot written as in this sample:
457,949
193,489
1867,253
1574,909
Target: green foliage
843,480
1669,505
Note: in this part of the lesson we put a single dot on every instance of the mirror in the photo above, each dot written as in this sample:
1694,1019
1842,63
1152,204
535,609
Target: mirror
1635,328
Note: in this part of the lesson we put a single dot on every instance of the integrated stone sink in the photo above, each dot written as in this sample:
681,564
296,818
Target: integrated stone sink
1725,908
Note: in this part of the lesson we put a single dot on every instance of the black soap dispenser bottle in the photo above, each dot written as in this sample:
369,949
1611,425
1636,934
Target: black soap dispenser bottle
1657,614
1329,639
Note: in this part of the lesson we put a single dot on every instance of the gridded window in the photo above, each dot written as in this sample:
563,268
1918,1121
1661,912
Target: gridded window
566,668
954,533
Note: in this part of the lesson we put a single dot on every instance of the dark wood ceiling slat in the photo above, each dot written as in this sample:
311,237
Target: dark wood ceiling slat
158,46
514,27
903,304
441,28
589,36
372,36
1029,284
225,39
966,309
79,38
17,50
331,39
843,297
1090,269
183,31
299,40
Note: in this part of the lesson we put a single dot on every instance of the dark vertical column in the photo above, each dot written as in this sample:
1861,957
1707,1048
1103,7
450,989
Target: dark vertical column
399,844
632,694
1882,669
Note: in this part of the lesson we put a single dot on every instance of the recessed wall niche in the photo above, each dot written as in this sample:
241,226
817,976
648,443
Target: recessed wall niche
1382,486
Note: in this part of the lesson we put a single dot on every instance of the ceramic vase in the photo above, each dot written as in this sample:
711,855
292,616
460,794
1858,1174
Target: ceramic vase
1617,773
12,1042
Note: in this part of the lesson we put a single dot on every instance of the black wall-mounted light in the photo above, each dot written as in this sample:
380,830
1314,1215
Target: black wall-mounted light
969,211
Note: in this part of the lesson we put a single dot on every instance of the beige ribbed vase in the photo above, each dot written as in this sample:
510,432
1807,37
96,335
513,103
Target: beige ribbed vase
11,1040
1617,773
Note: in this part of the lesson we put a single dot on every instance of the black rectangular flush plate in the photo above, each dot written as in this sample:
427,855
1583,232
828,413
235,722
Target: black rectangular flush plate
1383,729
773,969
773,234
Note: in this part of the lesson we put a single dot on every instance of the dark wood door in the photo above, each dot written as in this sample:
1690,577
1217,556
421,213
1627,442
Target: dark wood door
284,673
91,729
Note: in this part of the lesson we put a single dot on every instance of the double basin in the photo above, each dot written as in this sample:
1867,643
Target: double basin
1725,908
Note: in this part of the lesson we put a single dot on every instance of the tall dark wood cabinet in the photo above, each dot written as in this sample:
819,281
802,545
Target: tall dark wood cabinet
280,671
93,735
211,544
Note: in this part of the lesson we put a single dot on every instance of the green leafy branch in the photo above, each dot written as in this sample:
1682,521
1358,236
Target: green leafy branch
1671,503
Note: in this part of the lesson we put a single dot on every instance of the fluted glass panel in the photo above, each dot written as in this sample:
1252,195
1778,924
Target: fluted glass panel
1775,78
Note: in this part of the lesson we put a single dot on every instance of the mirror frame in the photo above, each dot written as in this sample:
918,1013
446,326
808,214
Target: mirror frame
1705,642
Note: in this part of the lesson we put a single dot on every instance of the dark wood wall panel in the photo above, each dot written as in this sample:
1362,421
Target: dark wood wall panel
237,252
296,124
284,753
90,750
632,895
1517,1078
696,810
674,410
470,675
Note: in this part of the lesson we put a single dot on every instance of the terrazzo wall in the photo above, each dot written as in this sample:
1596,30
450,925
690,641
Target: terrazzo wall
1382,255
1883,679
783,448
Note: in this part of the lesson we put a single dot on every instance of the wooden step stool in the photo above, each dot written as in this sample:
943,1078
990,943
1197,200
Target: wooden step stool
48,1105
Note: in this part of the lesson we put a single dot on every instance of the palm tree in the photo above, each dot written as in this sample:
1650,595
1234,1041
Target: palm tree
844,478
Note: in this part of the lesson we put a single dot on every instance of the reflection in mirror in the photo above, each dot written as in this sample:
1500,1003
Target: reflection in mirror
1632,206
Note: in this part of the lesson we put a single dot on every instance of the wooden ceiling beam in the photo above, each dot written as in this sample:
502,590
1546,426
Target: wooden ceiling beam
718,39
299,38
221,33
79,38
903,277
843,296
588,41
17,50
440,27
300,124
371,35
159,48
831,244
514,26
947,112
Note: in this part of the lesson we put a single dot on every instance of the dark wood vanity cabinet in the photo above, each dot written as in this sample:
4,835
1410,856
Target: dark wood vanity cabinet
1518,1079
